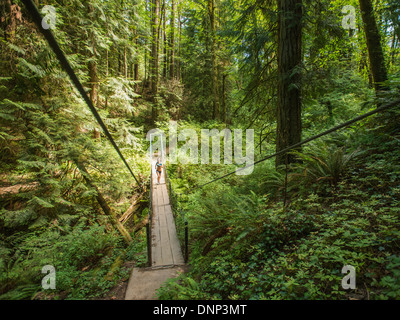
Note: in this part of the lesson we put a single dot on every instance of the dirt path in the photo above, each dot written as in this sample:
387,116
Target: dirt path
144,282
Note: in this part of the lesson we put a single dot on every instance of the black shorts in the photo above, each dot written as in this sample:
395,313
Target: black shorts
158,171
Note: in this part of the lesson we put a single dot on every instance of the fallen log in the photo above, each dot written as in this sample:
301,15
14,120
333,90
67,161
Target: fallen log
141,225
11,190
103,204
132,208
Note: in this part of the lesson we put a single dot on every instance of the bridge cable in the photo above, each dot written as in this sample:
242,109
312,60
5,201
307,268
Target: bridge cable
37,18
345,124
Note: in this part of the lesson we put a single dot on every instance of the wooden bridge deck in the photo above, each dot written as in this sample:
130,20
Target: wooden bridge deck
166,250
167,259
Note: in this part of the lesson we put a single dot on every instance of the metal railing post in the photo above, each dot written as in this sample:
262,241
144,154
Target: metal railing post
186,241
148,236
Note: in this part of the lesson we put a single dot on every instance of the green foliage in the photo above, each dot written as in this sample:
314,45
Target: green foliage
49,213
324,163
391,283
87,261
271,235
297,252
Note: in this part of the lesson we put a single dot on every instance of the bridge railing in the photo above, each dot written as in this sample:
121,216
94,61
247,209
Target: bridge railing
179,215
149,220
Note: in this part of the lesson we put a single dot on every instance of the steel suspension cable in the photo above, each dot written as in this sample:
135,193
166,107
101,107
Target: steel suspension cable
37,18
338,127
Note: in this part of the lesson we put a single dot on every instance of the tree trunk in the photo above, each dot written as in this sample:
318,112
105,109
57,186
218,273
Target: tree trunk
136,69
146,72
164,42
131,210
223,118
289,88
107,63
125,64
214,71
165,60
119,63
393,50
172,42
94,82
179,64
154,73
154,48
376,58
93,76
8,20
92,66
96,134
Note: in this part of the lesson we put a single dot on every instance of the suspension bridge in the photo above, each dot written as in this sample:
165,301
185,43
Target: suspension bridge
165,256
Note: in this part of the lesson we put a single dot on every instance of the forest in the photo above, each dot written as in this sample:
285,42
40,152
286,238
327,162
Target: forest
74,197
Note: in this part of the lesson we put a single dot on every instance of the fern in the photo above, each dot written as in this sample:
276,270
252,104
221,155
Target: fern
325,163
29,68
23,292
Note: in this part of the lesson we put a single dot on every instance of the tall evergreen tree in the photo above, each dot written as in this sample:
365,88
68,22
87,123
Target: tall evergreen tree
213,53
172,42
289,69
154,57
374,45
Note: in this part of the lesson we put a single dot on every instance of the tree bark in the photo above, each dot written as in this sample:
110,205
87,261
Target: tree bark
165,42
107,63
10,13
125,64
177,60
132,208
172,42
136,73
94,82
375,52
223,116
146,67
393,48
154,77
214,71
92,66
289,88
154,71
136,70
93,75
7,20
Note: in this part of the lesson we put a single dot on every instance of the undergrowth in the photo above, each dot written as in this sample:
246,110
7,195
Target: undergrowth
342,208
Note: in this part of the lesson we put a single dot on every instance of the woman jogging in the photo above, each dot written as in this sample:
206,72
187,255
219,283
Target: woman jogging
158,169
